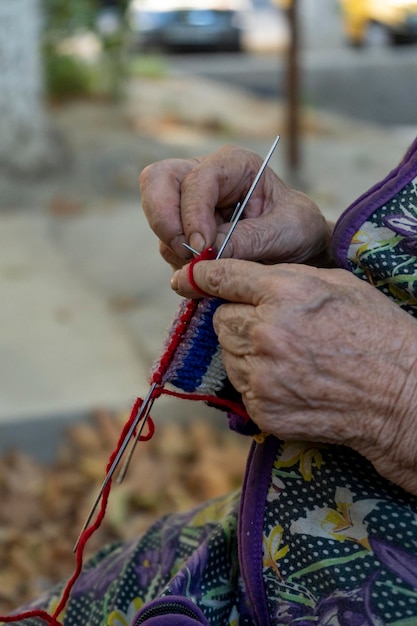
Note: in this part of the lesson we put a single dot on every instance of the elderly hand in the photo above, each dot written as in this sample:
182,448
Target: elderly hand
318,355
192,201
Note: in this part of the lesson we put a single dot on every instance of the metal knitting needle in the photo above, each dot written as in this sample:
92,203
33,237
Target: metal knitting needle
240,207
126,464
236,215
237,207
196,252
128,459
193,250
143,412
148,401
238,211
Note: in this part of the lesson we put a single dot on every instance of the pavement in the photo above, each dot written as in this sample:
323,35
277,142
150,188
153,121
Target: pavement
85,298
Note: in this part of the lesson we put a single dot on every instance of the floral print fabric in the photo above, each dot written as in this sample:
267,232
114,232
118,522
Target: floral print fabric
384,249
339,549
340,542
193,555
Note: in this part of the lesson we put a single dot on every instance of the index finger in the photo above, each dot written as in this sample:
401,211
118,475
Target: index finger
160,186
218,182
248,282
230,279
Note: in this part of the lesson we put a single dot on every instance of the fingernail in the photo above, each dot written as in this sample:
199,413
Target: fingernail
197,242
176,245
175,281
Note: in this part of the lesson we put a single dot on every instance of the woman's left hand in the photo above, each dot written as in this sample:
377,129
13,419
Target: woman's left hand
319,355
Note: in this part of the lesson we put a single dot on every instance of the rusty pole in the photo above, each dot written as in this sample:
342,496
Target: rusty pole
293,91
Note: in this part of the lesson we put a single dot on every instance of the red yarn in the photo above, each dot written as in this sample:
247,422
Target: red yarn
234,407
183,322
166,358
206,255
157,378
35,613
88,532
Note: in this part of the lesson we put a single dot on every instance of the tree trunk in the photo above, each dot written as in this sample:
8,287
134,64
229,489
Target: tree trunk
27,145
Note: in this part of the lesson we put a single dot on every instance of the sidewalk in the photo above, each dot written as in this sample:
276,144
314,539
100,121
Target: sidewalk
85,299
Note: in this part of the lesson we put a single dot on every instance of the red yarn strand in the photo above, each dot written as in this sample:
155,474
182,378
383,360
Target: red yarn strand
184,320
177,336
206,255
104,501
157,378
222,403
35,613
53,619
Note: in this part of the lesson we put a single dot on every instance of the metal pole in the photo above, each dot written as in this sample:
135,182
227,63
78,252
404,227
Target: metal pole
293,91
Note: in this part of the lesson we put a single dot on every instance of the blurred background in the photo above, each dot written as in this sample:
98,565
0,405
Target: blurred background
90,93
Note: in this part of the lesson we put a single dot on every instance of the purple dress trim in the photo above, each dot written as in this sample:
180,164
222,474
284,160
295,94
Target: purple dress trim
251,522
357,213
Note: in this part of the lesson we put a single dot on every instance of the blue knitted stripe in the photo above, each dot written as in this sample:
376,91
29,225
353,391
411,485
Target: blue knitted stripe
198,347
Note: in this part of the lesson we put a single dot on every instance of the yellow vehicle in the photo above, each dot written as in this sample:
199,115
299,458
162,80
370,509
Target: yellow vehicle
282,4
379,22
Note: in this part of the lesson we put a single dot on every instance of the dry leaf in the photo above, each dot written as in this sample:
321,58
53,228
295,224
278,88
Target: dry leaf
44,506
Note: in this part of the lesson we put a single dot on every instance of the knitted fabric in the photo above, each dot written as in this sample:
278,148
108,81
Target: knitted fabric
191,361
197,365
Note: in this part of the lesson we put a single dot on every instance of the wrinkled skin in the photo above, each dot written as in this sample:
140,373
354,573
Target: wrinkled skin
192,201
315,357
316,353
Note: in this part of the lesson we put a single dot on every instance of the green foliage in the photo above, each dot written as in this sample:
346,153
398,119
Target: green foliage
63,18
68,76
148,65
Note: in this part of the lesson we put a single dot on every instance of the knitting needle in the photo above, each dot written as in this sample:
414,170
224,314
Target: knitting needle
126,464
142,412
196,252
237,213
237,207
240,207
148,401
193,250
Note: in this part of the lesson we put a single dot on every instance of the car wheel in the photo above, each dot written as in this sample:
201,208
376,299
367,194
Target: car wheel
355,43
234,46
377,36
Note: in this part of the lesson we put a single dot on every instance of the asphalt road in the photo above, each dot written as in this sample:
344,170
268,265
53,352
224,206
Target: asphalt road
378,85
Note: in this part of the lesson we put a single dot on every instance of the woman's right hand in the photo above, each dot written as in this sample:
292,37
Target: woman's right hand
192,201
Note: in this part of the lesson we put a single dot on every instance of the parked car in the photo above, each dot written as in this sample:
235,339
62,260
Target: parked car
187,24
379,22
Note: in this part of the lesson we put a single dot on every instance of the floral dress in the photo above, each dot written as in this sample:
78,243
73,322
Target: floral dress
315,536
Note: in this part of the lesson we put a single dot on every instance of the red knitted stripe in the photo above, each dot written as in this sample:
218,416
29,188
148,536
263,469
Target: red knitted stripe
206,255
176,338
185,319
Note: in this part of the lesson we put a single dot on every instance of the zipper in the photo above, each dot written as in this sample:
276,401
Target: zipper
167,608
